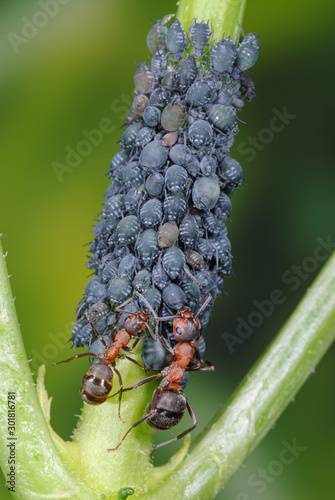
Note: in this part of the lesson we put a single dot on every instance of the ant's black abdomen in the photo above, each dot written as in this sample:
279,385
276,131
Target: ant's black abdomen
170,409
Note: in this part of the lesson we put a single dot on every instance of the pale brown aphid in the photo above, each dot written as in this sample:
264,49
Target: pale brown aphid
168,235
195,259
173,116
144,79
169,139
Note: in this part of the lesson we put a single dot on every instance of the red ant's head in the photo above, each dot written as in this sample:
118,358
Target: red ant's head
186,328
136,323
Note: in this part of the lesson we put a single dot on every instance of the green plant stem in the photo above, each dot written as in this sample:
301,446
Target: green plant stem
226,15
260,399
39,470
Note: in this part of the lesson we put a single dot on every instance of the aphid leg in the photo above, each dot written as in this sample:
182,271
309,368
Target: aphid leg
211,40
242,31
182,434
120,390
192,23
217,257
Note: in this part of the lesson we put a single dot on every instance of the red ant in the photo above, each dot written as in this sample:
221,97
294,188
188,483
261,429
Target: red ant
98,380
169,403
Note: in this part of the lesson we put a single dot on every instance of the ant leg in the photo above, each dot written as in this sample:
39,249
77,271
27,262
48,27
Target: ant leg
182,434
197,366
168,318
120,391
153,312
124,356
197,356
120,307
210,368
96,331
160,336
164,341
204,305
78,356
143,419
209,298
115,328
124,311
128,349
157,319
208,364
139,384
166,344
194,367
200,360
156,335
153,335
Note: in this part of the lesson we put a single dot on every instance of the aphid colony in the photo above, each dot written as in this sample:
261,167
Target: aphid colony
172,179
161,250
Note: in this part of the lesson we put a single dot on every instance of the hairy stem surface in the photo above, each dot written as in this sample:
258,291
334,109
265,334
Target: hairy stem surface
39,471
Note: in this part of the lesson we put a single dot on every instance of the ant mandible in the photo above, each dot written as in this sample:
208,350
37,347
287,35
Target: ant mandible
169,403
98,380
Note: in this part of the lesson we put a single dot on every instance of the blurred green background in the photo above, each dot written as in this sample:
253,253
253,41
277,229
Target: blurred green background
78,70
